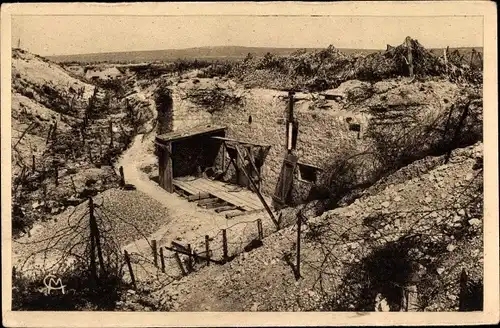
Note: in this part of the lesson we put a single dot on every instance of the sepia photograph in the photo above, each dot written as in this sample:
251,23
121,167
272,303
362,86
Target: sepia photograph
317,160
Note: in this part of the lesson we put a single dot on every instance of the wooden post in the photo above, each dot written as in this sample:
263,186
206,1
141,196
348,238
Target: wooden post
261,198
155,253
127,259
297,267
463,291
409,300
207,249
122,177
56,171
409,56
162,260
95,233
93,266
457,131
100,148
190,259
224,245
33,164
54,131
111,134
179,262
223,156
289,122
259,228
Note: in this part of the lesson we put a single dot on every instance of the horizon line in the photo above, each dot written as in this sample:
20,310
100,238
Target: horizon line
236,46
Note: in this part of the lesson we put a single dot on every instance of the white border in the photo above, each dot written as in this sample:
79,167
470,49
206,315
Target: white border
413,8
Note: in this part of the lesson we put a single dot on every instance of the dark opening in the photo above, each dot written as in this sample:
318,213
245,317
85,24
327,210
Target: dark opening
198,153
308,173
355,127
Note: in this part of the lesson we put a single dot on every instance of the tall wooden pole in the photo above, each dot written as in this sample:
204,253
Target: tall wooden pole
207,249
299,223
409,56
95,232
289,122
261,198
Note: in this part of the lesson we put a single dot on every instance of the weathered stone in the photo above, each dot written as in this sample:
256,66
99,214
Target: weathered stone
475,222
450,247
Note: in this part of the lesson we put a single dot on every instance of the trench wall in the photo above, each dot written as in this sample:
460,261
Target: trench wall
324,131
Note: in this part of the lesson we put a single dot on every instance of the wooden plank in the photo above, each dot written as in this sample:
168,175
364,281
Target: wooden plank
240,141
226,208
207,201
198,186
165,168
179,246
190,188
216,205
224,195
285,179
198,196
216,189
240,213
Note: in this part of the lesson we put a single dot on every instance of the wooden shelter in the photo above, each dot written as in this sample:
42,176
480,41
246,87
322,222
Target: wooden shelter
184,157
183,153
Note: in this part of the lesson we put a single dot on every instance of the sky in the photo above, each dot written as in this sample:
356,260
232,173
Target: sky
60,35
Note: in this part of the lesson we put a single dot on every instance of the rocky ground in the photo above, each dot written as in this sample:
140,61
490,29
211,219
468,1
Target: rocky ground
341,245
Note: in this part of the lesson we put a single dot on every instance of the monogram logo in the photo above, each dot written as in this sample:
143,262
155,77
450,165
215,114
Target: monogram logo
51,282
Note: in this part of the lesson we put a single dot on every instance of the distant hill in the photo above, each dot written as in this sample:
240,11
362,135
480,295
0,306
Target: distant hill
206,53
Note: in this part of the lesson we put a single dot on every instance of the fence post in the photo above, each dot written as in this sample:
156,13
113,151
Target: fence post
224,245
111,133
155,253
94,230
93,267
127,259
409,56
162,260
259,228
56,171
122,177
297,267
463,291
190,259
207,249
54,131
179,262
